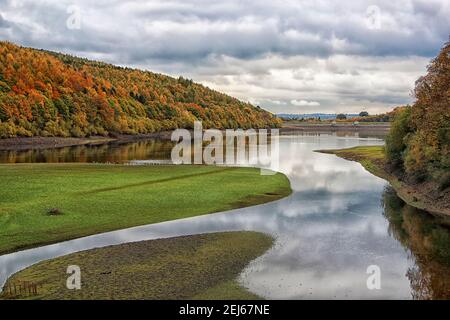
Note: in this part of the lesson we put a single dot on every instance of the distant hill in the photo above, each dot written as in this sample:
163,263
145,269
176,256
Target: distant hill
45,93
383,117
322,116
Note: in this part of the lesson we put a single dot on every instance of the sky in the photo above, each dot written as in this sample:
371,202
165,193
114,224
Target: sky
285,56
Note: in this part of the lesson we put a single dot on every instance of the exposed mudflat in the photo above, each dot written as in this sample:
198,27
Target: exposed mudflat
190,267
24,143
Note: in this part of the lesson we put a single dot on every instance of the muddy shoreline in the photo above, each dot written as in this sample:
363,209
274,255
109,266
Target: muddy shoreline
22,143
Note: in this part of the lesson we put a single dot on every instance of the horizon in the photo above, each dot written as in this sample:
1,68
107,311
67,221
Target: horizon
355,57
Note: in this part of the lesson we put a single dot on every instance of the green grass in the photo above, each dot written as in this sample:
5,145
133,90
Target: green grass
190,267
367,152
371,157
98,198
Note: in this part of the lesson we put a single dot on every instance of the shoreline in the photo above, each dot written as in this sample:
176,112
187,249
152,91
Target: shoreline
27,143
372,159
336,127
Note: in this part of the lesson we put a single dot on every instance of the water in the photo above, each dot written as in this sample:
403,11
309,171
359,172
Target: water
114,152
339,220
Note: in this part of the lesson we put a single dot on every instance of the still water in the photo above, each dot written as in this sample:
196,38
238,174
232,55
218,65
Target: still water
338,221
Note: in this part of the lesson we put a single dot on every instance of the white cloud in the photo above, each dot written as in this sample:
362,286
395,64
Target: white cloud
305,103
277,102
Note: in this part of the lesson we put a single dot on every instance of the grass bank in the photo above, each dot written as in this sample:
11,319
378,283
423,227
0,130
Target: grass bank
373,159
190,267
91,198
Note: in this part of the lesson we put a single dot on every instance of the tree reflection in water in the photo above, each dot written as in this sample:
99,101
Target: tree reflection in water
427,240
113,152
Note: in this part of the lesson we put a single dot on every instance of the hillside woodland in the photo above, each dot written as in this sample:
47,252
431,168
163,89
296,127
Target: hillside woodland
45,93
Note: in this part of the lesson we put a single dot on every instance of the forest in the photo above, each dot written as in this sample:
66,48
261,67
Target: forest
418,145
49,94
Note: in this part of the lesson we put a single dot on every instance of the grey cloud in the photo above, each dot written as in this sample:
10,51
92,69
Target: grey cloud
3,22
193,30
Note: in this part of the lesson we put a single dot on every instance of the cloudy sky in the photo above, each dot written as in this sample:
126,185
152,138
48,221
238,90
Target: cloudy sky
286,56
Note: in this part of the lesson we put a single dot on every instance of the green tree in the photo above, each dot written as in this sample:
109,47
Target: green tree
363,114
396,141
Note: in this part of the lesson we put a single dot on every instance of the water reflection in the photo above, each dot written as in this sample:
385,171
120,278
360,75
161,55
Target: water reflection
112,152
339,220
427,239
